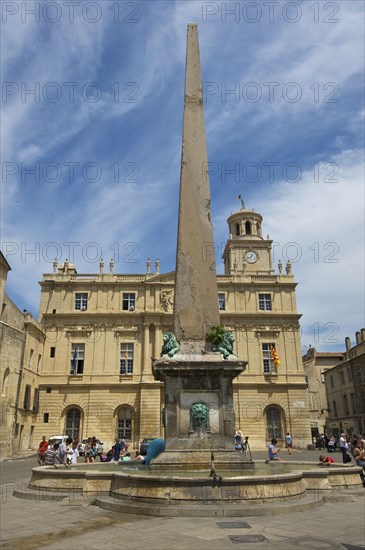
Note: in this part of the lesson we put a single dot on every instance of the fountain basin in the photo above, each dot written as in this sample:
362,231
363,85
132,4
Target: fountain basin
138,484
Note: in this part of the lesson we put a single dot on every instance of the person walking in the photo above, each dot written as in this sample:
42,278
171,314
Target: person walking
288,442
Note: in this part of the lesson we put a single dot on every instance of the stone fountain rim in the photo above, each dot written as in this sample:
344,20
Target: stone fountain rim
278,478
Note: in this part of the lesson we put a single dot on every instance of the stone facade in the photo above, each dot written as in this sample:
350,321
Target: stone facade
21,349
103,329
345,387
316,363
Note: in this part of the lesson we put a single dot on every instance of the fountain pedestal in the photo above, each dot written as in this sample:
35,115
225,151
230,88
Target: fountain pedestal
197,381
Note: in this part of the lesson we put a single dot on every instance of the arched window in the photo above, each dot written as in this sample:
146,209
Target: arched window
248,228
72,423
237,228
124,423
274,422
5,385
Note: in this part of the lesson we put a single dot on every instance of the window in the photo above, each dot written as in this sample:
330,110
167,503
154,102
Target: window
273,422
268,361
349,374
81,301
342,377
129,301
39,362
5,386
335,408
72,426
26,403
346,405
248,228
353,404
124,423
48,390
52,352
222,302
77,358
46,418
126,358
237,229
265,302
36,400
332,383
30,358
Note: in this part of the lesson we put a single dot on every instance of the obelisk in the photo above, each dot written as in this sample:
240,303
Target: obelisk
196,293
198,414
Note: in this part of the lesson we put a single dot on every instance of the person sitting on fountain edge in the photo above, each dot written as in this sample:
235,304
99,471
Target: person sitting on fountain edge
273,451
238,441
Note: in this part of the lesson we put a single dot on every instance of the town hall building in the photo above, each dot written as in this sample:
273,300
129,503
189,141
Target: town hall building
102,331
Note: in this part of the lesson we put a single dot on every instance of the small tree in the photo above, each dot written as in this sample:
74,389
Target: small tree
215,334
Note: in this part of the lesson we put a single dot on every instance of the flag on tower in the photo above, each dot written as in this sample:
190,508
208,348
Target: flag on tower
242,201
275,357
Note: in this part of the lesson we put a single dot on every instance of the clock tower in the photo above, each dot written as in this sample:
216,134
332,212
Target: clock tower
246,250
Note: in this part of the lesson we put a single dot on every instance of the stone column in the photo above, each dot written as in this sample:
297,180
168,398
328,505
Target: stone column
146,357
157,342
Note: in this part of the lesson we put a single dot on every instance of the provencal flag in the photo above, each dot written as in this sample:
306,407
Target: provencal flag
275,357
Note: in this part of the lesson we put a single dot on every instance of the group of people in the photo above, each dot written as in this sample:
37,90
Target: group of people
67,452
59,453
354,447
326,441
348,447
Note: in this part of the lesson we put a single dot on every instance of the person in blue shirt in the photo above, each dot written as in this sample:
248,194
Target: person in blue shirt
273,451
119,446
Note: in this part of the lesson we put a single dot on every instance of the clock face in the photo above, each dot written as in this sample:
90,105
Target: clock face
250,257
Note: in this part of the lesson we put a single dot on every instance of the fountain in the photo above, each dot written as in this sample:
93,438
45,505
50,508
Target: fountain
199,473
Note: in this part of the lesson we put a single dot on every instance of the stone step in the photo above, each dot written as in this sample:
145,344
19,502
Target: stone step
209,510
39,495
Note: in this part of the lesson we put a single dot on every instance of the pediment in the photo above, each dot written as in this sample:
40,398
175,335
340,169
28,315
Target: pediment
167,278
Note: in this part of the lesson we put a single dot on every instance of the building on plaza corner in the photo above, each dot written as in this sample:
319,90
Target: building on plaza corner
316,363
345,387
103,329
21,349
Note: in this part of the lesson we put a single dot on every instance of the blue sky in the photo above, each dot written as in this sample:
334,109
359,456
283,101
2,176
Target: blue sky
104,132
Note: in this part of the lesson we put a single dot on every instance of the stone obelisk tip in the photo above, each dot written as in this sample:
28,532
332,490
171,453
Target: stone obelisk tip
196,294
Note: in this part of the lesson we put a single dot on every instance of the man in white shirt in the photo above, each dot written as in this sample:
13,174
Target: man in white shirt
344,446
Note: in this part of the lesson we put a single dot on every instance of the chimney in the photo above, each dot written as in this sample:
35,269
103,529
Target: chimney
347,343
358,339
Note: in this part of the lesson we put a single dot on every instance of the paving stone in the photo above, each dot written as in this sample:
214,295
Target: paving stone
237,539
233,525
